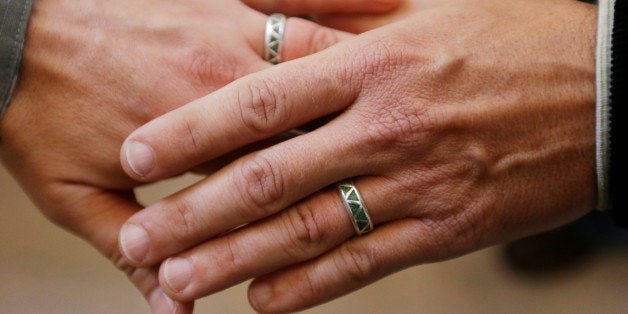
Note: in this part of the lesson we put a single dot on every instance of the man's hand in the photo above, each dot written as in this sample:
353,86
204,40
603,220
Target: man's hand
356,16
296,7
93,71
465,125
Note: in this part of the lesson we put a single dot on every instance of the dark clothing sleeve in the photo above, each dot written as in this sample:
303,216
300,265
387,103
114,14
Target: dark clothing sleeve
14,16
618,114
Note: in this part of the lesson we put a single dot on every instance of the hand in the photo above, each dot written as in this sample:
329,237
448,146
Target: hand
359,22
93,71
296,7
465,125
356,16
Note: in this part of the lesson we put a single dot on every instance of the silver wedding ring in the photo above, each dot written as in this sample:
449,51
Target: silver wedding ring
273,38
354,204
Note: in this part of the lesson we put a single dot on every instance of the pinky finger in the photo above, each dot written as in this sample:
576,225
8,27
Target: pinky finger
349,267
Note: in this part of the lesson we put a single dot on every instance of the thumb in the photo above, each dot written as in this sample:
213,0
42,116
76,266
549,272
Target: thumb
303,38
296,7
98,216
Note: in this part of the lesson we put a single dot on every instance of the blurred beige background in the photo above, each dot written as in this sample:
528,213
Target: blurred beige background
44,269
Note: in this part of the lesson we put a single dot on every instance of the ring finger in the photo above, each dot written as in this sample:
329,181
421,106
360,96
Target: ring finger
300,233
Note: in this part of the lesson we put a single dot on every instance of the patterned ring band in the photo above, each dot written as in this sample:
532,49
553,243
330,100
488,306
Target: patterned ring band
355,207
273,38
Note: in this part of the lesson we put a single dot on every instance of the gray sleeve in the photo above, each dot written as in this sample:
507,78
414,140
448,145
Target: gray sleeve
14,16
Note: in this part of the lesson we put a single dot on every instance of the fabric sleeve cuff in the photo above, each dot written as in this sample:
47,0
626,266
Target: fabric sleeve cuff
603,78
15,14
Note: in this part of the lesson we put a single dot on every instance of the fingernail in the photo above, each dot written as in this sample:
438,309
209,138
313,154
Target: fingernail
140,157
177,273
134,243
161,303
260,295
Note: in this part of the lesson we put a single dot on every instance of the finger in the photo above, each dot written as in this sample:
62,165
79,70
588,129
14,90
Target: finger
353,23
296,7
298,234
98,216
250,109
353,265
359,23
303,38
249,189
212,166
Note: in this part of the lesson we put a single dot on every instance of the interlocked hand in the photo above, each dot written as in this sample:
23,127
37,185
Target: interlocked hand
93,71
467,124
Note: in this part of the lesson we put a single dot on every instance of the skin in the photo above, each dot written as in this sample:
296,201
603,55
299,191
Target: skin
94,71
336,7
356,22
467,124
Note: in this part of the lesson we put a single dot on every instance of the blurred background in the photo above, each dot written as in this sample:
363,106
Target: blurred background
580,269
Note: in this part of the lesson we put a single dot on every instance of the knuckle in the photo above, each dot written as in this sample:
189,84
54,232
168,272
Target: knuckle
347,73
232,257
351,68
386,64
321,38
469,225
261,185
357,264
262,106
389,128
181,220
191,138
458,230
383,132
389,119
305,227
313,286
229,256
211,68
381,59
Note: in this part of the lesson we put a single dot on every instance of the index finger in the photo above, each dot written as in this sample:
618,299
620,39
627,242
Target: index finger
250,109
